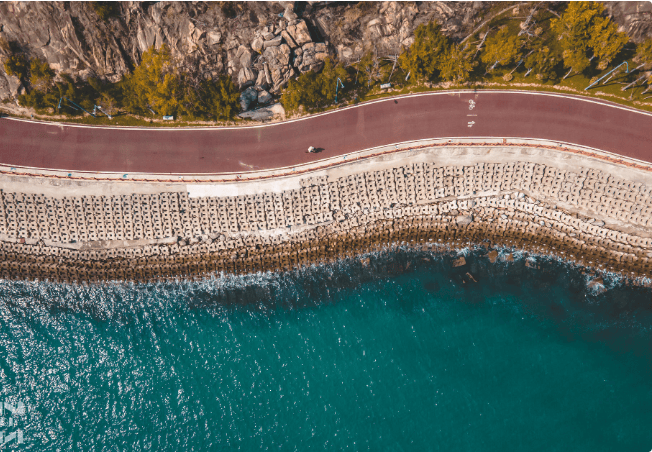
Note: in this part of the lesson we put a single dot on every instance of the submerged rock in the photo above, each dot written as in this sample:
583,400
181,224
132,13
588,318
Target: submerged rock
492,255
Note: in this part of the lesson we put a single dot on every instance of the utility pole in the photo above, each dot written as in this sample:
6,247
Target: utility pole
337,86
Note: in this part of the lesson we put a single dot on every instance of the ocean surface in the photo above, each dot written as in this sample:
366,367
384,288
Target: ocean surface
400,352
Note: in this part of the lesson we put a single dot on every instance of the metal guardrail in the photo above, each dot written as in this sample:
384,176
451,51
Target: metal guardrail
598,80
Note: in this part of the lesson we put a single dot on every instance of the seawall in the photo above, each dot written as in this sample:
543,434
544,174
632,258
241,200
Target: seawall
580,204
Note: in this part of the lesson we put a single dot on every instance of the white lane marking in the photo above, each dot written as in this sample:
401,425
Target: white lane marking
319,164
386,99
471,123
471,104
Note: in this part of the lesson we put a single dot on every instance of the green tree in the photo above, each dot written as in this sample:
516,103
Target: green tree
644,59
369,66
501,48
606,41
312,89
644,54
423,58
16,65
327,80
457,64
292,94
541,62
40,74
579,28
220,98
107,103
153,84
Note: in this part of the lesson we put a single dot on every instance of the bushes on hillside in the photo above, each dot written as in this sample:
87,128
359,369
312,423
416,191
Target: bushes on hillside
156,85
314,90
104,10
585,34
424,57
17,66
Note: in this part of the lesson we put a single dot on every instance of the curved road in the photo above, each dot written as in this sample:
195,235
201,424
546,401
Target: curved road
436,115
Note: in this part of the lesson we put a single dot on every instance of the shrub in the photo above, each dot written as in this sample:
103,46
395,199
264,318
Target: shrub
105,10
16,65
423,58
313,90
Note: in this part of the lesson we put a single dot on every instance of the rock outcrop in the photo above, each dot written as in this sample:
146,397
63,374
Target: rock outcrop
260,44
634,18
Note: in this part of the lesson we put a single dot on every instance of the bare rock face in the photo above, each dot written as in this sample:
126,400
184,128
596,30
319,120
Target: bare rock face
352,30
5,90
261,44
634,18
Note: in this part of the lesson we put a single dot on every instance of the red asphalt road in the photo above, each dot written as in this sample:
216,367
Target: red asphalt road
515,115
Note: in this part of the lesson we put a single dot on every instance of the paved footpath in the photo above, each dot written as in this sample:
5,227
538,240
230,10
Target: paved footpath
440,115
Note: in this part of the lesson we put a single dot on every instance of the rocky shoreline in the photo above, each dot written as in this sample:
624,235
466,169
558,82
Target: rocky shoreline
583,208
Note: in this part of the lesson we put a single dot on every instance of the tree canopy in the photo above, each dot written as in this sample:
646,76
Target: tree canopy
502,48
153,84
40,74
457,64
541,62
157,85
606,41
581,28
16,65
104,10
424,57
219,98
644,54
314,90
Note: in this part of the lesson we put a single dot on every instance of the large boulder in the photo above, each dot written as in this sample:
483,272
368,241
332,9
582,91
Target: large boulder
275,41
299,32
277,57
213,37
265,113
289,14
311,57
261,81
246,77
14,85
257,44
260,114
289,40
264,97
246,58
248,98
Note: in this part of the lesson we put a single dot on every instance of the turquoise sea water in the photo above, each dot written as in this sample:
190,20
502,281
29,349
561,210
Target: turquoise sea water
403,354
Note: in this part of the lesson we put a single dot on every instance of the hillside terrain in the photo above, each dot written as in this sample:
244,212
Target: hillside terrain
259,46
